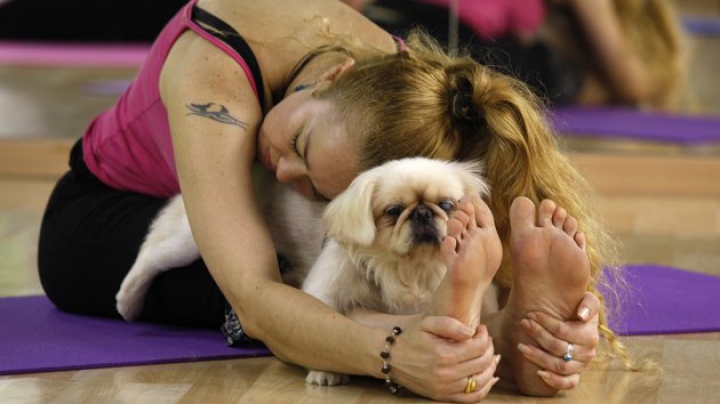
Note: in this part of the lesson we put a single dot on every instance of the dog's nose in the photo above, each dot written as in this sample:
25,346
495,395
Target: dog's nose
422,214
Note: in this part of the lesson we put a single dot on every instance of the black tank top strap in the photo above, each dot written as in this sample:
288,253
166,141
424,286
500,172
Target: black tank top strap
224,32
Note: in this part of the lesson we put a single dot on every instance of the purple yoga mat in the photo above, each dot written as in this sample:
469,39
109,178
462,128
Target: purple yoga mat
708,26
637,125
662,300
72,54
36,337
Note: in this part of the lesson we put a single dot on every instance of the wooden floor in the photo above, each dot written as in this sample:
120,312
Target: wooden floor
661,201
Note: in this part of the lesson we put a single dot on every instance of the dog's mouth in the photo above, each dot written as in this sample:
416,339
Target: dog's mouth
426,235
424,229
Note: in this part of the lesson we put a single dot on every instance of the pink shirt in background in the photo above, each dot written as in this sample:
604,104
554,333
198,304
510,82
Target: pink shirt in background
129,146
497,18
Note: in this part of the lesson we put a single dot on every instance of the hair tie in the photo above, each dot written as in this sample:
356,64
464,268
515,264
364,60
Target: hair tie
463,107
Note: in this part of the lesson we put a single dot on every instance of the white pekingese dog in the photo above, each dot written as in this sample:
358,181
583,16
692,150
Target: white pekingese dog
382,239
384,234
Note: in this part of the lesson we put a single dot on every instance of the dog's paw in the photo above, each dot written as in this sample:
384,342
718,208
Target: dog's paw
129,301
322,378
128,308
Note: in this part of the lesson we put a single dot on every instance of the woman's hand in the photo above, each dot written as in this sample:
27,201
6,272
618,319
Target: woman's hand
436,356
554,336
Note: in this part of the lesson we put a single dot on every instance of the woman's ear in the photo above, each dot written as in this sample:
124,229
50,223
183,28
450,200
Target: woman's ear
338,70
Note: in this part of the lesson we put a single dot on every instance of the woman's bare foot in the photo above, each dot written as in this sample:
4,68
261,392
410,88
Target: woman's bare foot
472,252
551,273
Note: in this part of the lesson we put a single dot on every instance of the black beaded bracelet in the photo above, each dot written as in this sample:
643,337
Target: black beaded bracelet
394,388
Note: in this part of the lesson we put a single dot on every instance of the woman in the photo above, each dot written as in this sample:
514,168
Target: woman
229,82
632,51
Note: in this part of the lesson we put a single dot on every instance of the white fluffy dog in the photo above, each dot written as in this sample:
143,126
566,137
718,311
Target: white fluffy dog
384,234
382,249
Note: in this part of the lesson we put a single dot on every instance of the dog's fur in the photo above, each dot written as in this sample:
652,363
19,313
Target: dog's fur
383,237
293,220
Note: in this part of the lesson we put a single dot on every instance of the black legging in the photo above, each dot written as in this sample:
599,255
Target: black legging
89,239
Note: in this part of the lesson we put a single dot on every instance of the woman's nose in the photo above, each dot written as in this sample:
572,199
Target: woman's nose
289,169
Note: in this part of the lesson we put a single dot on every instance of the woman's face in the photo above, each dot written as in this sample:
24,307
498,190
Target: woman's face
303,142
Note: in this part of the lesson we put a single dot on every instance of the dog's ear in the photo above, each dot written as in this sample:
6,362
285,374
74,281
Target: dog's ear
349,217
473,179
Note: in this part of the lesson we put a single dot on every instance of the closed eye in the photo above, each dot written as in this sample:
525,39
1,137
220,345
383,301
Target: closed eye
294,144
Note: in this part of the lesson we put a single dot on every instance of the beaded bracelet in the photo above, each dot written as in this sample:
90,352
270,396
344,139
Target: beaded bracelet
395,388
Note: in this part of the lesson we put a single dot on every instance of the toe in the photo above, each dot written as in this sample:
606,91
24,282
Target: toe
559,217
483,215
522,214
571,226
545,212
580,239
455,227
448,249
463,214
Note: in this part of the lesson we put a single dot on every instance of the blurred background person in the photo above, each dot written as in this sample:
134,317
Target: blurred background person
590,52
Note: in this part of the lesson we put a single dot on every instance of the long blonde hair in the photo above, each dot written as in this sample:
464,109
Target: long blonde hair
404,105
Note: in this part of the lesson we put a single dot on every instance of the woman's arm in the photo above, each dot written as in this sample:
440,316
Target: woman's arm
622,69
214,161
382,320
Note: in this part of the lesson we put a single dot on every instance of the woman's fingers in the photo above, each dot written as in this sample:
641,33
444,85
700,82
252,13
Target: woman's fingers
557,373
560,382
589,307
473,388
553,334
444,366
553,337
477,385
556,338
447,327
553,363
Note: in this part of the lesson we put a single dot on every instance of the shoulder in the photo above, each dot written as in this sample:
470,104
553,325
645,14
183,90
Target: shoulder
195,68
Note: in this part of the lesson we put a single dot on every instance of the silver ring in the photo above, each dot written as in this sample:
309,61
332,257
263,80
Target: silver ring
568,356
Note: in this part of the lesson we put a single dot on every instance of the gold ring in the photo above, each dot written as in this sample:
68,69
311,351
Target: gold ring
470,385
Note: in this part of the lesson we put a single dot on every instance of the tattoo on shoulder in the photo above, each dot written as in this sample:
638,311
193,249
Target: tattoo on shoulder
216,112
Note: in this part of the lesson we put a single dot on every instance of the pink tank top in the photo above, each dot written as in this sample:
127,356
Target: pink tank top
129,146
496,18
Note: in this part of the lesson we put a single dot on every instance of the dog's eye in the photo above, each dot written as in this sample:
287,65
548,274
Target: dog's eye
394,211
446,206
